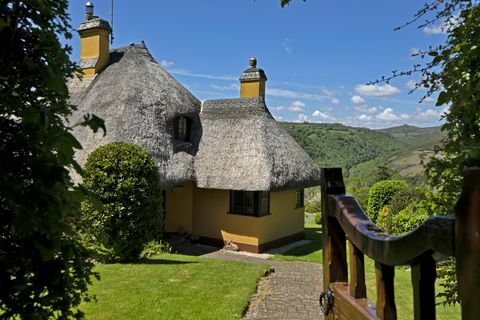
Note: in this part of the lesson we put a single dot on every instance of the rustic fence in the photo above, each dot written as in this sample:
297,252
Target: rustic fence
439,236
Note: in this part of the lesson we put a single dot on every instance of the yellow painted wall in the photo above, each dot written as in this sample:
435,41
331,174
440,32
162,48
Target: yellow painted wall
284,219
95,43
211,218
252,89
179,208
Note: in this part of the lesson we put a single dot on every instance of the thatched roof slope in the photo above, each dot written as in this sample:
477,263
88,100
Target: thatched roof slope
243,148
138,100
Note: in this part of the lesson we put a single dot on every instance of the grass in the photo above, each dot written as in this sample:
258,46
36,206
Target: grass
311,252
403,286
173,286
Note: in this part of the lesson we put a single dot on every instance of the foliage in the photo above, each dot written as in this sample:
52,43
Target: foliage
311,207
155,247
44,271
384,218
318,218
380,195
448,281
406,196
383,173
408,219
125,178
336,145
359,189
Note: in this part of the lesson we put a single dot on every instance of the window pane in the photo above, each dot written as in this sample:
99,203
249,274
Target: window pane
300,198
264,203
248,202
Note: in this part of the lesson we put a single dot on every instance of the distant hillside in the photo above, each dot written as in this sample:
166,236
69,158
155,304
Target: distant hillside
336,145
415,136
361,150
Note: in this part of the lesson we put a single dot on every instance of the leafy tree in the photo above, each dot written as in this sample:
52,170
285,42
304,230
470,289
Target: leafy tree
380,195
125,178
44,271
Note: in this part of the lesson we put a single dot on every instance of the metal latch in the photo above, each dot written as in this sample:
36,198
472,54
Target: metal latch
326,301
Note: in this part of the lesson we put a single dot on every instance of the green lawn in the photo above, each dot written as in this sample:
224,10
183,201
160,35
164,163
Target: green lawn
173,286
403,287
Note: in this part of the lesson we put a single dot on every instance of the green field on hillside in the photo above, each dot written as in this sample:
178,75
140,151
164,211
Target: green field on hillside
359,151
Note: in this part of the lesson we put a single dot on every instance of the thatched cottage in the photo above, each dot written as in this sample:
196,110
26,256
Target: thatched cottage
229,171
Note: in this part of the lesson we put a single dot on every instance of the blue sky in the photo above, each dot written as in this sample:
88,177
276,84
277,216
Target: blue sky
318,55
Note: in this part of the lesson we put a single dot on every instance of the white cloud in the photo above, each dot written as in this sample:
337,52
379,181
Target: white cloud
388,114
297,106
166,64
414,53
411,84
287,46
444,27
366,109
280,108
294,94
357,100
322,116
376,90
327,91
429,99
364,117
301,118
431,114
277,117
335,101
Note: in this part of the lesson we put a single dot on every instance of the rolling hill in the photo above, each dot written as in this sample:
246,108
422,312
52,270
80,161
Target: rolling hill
360,150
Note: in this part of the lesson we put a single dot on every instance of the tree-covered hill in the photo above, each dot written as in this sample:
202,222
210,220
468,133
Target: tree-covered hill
415,136
334,145
362,150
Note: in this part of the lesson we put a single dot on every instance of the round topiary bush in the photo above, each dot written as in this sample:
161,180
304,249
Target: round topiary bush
124,177
380,195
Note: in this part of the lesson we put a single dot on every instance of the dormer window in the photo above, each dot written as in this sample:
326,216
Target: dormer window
181,127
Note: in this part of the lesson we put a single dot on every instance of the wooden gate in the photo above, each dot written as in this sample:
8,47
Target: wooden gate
344,221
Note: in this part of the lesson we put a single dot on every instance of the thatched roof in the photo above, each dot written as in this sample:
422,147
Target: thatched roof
236,143
243,148
138,100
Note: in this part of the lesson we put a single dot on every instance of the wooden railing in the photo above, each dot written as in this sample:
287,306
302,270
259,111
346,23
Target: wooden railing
438,237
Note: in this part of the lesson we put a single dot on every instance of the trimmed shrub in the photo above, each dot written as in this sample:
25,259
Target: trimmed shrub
380,195
404,197
124,177
384,219
409,218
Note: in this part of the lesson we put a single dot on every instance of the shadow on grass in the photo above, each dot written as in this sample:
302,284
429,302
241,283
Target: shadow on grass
161,261
313,233
305,250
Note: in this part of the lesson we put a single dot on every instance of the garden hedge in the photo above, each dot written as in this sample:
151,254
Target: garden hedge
125,178
380,195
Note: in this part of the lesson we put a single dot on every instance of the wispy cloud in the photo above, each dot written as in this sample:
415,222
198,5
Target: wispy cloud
231,87
388,114
376,90
297,106
166,64
275,92
187,73
287,46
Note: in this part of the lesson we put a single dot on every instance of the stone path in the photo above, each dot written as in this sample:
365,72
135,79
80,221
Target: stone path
291,292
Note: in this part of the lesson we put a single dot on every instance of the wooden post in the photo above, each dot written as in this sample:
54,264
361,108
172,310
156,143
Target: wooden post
358,289
386,309
467,244
334,243
423,280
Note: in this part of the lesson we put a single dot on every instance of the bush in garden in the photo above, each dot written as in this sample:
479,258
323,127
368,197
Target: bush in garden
380,195
384,218
404,197
125,179
409,218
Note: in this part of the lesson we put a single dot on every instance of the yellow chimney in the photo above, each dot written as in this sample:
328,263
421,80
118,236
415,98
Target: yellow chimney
94,43
252,81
